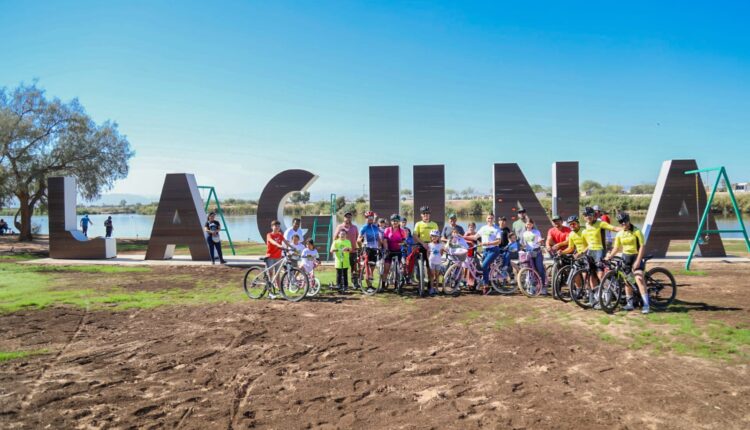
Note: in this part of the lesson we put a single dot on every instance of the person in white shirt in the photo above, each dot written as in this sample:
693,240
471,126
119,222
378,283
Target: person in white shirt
436,250
310,257
295,229
532,242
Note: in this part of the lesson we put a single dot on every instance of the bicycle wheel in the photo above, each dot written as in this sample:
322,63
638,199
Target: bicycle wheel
314,287
579,290
370,284
549,269
529,282
560,287
610,291
661,287
255,282
452,280
294,285
501,281
421,273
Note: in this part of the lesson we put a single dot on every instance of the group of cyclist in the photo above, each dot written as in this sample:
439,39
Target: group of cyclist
396,241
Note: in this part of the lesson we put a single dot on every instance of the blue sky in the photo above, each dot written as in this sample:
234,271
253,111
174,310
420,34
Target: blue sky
237,92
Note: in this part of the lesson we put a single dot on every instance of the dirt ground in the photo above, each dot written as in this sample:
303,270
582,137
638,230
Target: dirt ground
356,362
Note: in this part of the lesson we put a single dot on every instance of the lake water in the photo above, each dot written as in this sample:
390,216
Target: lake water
243,227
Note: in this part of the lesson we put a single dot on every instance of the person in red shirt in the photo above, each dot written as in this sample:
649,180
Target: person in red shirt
557,236
274,243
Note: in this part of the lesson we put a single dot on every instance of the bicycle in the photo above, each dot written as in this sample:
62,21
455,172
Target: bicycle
396,275
419,270
313,281
528,279
367,270
561,270
456,274
293,283
661,292
581,269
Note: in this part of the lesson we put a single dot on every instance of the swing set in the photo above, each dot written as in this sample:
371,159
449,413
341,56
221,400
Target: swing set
702,234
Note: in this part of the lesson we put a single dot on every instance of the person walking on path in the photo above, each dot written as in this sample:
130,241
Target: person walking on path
108,226
85,221
213,228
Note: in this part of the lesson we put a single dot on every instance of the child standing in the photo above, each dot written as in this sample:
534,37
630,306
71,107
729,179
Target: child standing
340,249
310,257
436,250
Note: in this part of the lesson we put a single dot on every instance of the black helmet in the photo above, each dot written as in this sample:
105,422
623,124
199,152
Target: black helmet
588,211
424,210
395,217
623,217
572,218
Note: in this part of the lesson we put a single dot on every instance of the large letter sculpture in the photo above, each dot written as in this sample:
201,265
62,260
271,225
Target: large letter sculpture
384,190
65,240
673,214
512,192
565,191
429,190
179,220
275,194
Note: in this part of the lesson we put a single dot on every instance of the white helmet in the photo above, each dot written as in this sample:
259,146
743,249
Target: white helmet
435,233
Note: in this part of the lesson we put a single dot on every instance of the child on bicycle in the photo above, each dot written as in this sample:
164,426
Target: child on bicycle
436,250
340,248
297,247
631,240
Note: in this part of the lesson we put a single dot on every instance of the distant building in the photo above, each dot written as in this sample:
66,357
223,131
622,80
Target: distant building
741,187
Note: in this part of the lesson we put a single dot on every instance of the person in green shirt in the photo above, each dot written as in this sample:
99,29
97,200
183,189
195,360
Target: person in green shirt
519,225
340,248
421,234
631,241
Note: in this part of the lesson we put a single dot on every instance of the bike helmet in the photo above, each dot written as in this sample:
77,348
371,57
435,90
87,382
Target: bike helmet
572,218
395,217
369,214
424,210
623,217
556,218
588,211
435,233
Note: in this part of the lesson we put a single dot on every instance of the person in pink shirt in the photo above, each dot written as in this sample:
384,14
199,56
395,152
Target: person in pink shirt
352,233
393,237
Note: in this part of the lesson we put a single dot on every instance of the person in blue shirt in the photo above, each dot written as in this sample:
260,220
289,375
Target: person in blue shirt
85,221
369,239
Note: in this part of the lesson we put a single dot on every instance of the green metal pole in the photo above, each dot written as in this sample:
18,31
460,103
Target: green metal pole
702,223
736,207
221,214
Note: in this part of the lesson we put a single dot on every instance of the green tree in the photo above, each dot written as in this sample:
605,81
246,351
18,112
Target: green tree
123,203
643,189
40,138
614,189
468,192
591,187
406,193
450,193
538,188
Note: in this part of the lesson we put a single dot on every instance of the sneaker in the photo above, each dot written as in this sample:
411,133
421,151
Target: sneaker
223,261
433,292
272,296
544,292
628,307
485,290
645,310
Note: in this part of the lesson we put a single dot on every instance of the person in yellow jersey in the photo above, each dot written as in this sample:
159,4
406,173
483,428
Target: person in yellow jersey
576,243
422,230
592,231
631,241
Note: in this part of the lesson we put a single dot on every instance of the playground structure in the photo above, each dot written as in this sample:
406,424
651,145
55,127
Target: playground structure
321,232
219,211
701,234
